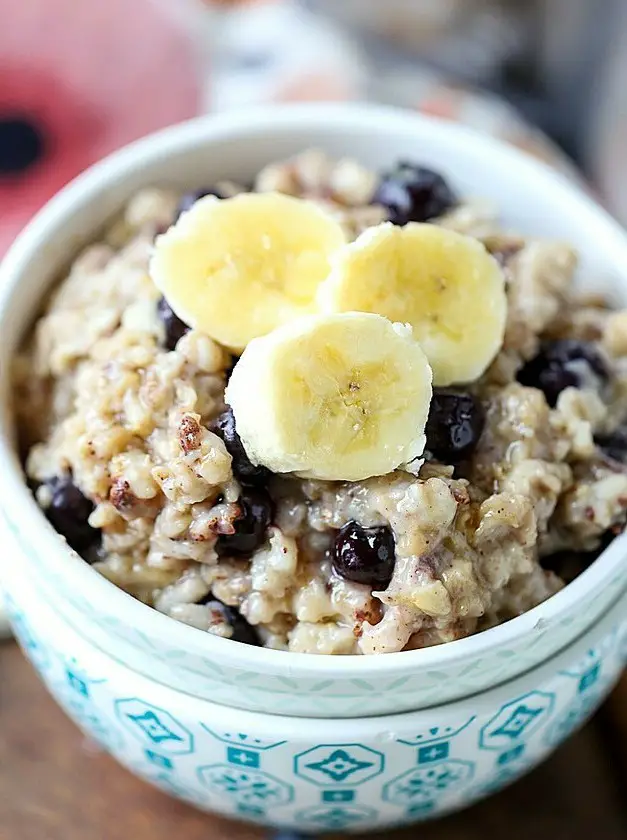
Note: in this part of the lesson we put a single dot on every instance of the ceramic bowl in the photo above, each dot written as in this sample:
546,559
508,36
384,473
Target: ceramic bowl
532,198
316,774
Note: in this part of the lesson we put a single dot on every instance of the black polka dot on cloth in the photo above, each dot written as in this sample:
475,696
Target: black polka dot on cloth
22,144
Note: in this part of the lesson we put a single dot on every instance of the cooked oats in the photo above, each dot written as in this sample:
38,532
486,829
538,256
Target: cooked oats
99,398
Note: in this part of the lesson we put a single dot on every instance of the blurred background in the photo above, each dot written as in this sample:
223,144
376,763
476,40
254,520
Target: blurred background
79,78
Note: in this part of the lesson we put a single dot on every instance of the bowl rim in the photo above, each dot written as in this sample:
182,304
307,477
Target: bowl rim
534,680
21,508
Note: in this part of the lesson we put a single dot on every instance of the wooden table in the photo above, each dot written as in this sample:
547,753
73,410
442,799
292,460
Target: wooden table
55,786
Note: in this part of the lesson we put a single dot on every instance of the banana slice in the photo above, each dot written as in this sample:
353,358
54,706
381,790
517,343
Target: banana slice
236,268
335,397
445,285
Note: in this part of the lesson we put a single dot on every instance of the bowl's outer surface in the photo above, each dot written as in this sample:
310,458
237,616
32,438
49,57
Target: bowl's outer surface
533,199
318,775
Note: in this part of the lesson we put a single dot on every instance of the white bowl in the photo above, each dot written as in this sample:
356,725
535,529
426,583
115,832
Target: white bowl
316,774
533,200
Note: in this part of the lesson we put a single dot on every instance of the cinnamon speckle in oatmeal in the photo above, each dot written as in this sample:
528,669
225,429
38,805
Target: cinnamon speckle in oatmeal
189,433
121,496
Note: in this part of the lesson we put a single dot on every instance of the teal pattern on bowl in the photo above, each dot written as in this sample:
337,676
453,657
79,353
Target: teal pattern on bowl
231,685
318,775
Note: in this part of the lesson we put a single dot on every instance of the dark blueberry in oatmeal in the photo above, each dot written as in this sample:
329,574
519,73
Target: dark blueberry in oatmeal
242,630
257,511
614,446
570,564
69,511
455,423
243,468
562,364
364,555
189,199
414,193
175,329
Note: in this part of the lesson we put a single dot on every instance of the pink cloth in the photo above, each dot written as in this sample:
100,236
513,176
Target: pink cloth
93,76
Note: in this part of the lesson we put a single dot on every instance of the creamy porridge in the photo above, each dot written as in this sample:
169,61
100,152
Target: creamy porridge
134,456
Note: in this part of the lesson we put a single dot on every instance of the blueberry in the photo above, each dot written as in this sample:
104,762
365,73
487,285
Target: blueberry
69,511
242,631
614,445
175,329
455,423
562,364
190,198
414,193
250,528
243,468
364,555
570,564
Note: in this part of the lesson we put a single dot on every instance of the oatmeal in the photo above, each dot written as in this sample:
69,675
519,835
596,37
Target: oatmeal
136,459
